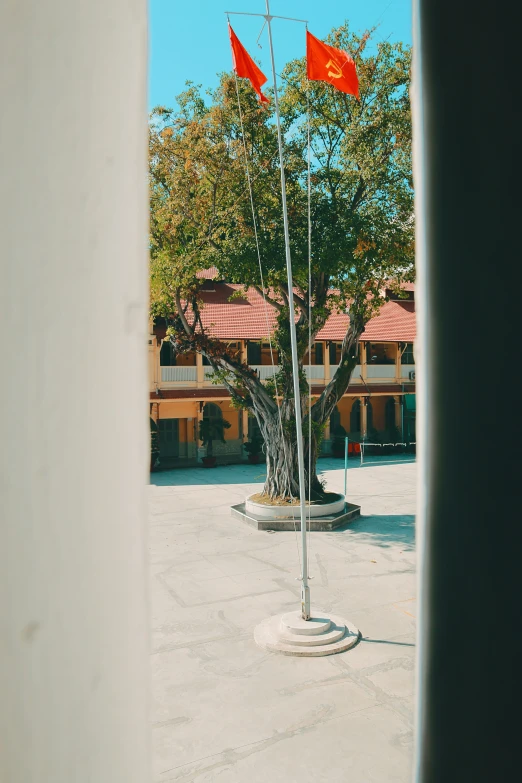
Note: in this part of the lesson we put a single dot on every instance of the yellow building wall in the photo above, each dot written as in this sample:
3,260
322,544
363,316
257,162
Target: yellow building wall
378,404
184,411
232,415
186,360
345,406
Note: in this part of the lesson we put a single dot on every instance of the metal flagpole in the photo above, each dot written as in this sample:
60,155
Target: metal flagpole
290,633
305,589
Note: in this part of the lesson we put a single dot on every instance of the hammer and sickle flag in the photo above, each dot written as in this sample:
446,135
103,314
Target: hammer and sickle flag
245,67
327,64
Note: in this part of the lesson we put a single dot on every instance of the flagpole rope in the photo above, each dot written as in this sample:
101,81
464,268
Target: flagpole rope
264,296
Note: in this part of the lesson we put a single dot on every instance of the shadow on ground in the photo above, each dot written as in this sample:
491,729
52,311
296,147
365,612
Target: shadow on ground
365,639
385,530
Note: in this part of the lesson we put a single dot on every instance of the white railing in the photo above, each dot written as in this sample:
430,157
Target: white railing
169,374
208,372
315,371
265,371
355,374
380,371
406,369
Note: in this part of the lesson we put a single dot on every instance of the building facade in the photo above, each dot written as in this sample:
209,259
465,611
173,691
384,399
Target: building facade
379,403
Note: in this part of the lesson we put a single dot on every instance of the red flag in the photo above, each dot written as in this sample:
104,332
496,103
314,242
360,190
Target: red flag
245,67
327,64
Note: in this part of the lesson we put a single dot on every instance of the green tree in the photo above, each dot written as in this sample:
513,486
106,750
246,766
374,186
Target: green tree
361,225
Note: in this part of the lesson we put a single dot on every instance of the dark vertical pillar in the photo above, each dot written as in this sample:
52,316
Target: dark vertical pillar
468,136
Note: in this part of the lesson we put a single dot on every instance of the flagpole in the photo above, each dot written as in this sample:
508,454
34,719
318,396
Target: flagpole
305,589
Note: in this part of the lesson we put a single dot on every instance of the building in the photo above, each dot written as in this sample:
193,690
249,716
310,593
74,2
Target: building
380,400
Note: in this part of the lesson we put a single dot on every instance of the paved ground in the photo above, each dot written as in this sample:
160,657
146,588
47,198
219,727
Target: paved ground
227,711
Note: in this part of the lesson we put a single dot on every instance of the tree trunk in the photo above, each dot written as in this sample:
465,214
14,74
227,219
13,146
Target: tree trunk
277,421
282,472
278,428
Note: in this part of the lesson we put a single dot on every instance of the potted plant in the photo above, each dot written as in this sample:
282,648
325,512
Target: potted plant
338,442
209,431
254,448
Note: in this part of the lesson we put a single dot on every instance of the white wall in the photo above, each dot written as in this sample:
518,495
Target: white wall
74,433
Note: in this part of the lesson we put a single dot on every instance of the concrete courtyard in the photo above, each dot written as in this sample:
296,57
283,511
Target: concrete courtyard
225,710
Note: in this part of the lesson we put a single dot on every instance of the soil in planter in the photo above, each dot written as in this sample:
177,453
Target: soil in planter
265,500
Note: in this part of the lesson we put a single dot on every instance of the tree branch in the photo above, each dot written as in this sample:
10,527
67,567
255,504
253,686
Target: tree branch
278,306
188,329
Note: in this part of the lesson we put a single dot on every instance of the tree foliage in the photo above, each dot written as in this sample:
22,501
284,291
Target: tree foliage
361,208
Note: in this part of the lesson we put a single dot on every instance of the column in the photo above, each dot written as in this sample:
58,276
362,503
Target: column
200,372
200,449
326,360
364,417
398,399
74,627
363,360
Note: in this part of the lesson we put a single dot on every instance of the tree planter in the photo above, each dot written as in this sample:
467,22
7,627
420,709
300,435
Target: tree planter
209,462
335,505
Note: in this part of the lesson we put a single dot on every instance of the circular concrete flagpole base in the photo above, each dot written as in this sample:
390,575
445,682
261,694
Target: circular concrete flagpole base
289,634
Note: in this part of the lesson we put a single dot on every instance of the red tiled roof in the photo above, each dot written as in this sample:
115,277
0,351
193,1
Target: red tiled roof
396,321
208,274
335,327
246,318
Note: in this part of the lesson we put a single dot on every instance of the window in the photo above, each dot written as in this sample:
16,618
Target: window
169,437
253,352
335,422
355,417
167,355
407,354
212,411
318,353
254,431
389,415
380,353
335,353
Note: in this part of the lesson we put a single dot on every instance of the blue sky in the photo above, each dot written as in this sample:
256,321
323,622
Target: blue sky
189,40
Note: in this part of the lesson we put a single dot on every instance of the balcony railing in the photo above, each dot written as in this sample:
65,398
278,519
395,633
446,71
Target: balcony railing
406,370
314,371
380,370
170,374
208,372
265,371
355,374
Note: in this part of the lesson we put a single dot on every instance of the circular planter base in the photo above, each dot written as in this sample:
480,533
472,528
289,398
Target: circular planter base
289,634
265,511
